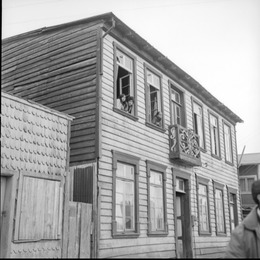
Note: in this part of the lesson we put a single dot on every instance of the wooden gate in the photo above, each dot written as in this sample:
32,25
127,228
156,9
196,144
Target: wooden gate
79,230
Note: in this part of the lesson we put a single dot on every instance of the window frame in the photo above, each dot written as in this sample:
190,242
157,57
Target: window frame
194,101
205,182
174,86
219,186
150,165
147,98
231,162
232,191
134,161
117,47
246,177
217,156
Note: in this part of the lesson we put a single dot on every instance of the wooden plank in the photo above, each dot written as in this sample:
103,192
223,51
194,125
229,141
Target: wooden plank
29,70
47,47
85,232
72,230
77,85
55,83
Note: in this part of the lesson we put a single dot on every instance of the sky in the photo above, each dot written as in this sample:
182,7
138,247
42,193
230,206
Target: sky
217,42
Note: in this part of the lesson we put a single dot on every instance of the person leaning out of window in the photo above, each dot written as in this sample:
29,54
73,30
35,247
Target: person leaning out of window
245,239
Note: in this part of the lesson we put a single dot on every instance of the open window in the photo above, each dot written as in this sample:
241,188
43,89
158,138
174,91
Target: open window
153,98
125,81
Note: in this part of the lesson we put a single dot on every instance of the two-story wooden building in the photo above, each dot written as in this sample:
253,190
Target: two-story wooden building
161,148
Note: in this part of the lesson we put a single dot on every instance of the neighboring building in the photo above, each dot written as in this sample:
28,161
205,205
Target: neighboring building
164,171
34,162
249,171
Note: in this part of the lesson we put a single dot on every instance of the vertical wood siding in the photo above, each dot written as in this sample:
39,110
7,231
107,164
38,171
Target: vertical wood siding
134,137
58,69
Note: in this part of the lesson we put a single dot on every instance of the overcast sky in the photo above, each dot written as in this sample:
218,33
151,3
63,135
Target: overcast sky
217,42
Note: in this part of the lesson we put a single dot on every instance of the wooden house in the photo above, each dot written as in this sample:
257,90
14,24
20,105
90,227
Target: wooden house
34,162
151,149
249,171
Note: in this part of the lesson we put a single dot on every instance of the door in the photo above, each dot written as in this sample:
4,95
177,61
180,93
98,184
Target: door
183,220
180,225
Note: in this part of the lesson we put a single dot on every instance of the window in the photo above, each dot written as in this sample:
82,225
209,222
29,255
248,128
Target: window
214,135
203,206
219,208
125,81
125,195
233,208
177,105
153,98
40,208
157,216
198,122
227,143
246,183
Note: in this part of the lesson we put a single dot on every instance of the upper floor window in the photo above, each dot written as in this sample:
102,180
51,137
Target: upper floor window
157,218
177,106
125,195
198,121
227,143
203,206
219,208
154,108
246,183
125,81
214,135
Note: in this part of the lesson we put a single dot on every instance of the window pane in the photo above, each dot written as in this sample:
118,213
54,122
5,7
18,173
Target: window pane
156,201
227,139
249,183
198,122
242,184
214,135
203,208
219,210
125,197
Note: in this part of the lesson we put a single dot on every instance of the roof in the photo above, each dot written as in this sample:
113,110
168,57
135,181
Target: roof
36,105
250,158
113,24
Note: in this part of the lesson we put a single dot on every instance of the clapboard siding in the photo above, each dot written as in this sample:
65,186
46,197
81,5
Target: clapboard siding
134,137
58,68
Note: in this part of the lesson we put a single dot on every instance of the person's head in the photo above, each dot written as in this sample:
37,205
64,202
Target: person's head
255,189
122,97
130,100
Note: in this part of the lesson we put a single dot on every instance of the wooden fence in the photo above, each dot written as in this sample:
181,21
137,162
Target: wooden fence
79,230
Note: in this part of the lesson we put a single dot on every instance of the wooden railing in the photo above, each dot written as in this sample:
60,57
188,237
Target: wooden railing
184,145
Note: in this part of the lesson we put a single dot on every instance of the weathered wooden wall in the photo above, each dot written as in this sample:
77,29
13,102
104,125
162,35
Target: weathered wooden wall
58,69
79,231
134,137
34,160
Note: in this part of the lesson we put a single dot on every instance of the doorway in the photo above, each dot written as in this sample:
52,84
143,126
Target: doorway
183,219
